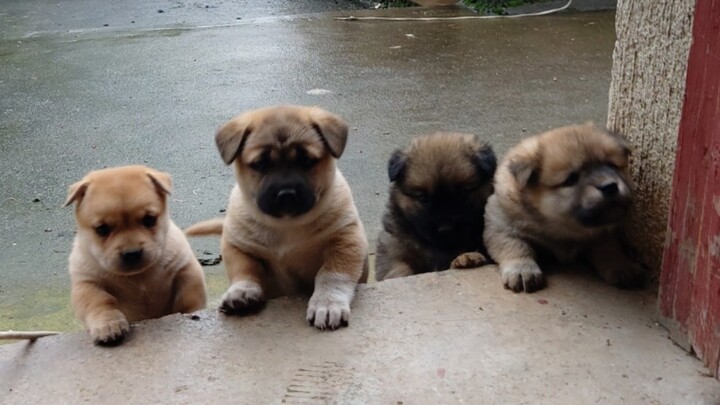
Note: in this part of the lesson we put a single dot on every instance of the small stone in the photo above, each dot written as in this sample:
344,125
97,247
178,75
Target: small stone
35,200
161,11
106,25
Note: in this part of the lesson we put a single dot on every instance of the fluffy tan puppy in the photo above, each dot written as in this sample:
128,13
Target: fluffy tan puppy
291,224
129,261
562,194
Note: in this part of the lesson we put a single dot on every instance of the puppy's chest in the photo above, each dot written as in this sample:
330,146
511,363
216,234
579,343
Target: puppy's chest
141,298
297,251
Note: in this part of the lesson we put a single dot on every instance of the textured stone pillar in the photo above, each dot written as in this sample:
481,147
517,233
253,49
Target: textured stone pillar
646,98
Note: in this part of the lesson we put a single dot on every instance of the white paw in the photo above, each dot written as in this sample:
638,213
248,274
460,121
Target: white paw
243,296
109,328
324,312
524,275
329,306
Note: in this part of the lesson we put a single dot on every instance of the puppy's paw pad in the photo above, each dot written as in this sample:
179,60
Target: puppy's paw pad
242,297
110,333
327,314
522,276
469,260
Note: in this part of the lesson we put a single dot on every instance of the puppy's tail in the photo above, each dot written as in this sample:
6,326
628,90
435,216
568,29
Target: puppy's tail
210,227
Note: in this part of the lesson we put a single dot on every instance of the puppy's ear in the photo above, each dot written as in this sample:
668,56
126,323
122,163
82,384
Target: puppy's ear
525,170
396,165
230,138
485,162
332,129
161,180
76,192
622,142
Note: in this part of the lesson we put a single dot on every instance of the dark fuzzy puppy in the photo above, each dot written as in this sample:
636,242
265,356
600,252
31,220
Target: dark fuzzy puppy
434,218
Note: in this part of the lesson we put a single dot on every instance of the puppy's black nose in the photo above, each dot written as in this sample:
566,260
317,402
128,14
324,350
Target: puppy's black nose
445,229
131,257
286,194
609,189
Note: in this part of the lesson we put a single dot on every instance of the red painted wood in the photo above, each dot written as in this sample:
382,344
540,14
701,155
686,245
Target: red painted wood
690,277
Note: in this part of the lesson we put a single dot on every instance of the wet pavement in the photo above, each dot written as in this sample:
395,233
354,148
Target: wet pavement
77,96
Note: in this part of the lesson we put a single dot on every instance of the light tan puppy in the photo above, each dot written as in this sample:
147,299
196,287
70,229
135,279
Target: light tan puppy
291,223
563,193
129,261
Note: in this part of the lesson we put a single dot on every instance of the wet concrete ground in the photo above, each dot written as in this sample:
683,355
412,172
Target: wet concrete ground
78,96
444,338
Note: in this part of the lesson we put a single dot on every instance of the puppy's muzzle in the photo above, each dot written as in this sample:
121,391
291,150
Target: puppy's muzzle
611,206
285,198
131,258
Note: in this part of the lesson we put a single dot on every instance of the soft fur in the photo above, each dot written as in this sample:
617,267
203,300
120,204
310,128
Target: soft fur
563,193
291,223
434,218
129,261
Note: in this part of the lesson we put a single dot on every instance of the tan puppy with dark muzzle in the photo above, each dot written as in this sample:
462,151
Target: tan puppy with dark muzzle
129,261
291,223
563,193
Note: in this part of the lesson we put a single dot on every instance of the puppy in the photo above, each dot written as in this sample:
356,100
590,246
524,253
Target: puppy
291,224
562,193
434,218
129,261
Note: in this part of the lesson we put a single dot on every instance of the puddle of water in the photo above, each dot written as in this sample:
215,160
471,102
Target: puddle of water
49,309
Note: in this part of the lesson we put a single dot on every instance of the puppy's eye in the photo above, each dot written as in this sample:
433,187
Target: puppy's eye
469,189
571,180
419,196
149,221
261,164
307,163
103,230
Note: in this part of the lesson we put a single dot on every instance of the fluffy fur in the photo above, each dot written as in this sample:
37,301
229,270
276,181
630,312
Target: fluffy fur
563,193
291,223
434,217
129,261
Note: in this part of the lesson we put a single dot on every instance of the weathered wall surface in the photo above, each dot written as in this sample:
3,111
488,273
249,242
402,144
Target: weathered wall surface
646,97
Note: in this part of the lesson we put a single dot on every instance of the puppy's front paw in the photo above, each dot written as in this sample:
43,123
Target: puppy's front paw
108,328
522,275
469,260
243,297
327,312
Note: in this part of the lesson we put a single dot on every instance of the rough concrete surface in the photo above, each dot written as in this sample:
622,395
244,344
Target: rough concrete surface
86,96
646,99
449,337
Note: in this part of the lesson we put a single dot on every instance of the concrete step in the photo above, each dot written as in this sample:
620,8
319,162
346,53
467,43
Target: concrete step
448,337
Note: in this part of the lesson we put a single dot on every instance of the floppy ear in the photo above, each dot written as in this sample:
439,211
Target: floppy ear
161,180
622,141
230,138
332,129
396,165
76,192
485,162
525,170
